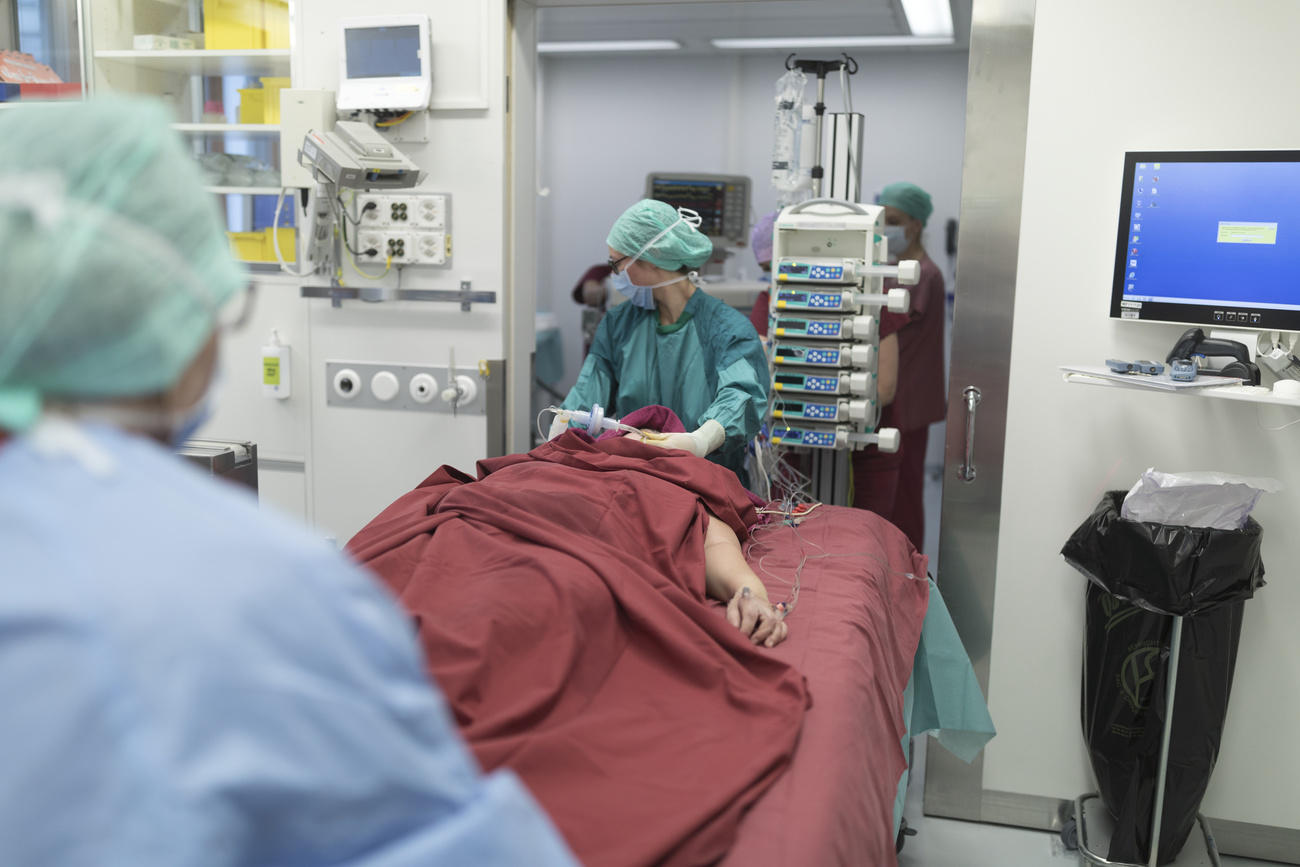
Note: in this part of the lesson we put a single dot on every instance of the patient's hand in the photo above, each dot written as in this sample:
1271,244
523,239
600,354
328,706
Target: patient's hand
757,618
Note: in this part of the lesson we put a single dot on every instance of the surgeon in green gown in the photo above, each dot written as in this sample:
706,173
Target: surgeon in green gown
672,344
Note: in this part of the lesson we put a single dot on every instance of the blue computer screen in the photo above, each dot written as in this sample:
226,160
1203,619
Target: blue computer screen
1208,238
382,52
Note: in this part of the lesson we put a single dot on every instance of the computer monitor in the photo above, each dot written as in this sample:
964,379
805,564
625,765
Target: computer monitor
1210,238
721,200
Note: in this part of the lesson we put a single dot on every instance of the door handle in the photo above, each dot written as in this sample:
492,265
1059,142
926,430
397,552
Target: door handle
966,472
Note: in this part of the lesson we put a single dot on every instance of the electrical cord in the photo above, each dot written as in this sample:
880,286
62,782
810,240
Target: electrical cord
400,119
275,238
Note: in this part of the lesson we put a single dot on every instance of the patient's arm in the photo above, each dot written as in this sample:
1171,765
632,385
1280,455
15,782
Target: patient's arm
727,577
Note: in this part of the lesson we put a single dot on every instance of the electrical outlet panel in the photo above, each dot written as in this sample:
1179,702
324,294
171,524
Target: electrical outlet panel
412,228
404,247
404,210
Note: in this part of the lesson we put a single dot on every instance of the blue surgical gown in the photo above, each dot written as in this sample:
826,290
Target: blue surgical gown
190,680
709,364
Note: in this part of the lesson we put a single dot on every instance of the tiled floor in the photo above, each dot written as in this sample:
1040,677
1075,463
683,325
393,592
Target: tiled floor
951,843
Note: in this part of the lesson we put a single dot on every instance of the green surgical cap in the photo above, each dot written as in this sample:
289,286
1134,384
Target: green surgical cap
684,246
113,261
908,198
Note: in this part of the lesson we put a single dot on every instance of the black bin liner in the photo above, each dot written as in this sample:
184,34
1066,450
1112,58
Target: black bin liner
1139,574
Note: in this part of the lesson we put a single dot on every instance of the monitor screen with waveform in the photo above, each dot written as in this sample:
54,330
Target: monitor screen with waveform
722,201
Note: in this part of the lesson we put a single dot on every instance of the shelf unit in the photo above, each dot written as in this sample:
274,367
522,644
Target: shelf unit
225,128
203,62
1218,392
244,191
190,81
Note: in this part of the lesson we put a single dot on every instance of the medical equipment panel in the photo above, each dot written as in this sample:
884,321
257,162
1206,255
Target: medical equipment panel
815,271
824,410
722,201
829,264
825,328
855,383
843,355
827,438
385,63
822,302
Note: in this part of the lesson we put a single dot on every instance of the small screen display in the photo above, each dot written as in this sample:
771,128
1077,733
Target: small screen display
382,52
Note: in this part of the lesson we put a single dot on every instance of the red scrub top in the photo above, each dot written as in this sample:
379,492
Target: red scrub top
758,313
921,398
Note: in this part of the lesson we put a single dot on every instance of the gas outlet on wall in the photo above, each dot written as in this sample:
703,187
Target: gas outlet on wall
424,388
410,388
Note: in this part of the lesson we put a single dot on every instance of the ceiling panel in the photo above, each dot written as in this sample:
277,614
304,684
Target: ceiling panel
694,23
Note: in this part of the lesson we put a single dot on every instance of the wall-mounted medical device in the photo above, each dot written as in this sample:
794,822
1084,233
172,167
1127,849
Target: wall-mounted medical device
1209,238
354,156
722,201
385,63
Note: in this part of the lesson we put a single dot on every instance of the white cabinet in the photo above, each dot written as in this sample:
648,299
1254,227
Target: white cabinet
219,66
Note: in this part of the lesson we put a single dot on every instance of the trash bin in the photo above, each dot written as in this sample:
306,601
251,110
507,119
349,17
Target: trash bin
1158,596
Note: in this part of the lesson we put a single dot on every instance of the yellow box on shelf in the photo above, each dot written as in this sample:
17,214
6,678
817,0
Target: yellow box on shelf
252,105
259,247
276,16
234,24
262,104
272,87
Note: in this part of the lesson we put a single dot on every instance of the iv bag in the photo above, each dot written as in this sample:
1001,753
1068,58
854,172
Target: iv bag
786,132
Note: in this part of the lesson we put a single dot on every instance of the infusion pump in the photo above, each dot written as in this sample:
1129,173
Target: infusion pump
828,271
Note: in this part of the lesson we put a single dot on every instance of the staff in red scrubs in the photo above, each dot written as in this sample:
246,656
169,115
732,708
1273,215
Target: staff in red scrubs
892,484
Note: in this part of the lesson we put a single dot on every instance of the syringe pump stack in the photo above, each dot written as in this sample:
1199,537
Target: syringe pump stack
829,263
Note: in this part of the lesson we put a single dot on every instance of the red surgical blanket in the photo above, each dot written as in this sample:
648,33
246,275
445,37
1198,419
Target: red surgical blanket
560,602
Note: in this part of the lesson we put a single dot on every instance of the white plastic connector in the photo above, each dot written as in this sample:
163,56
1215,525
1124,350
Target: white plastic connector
384,385
423,388
900,300
889,439
862,328
858,410
461,391
909,272
347,384
861,384
863,355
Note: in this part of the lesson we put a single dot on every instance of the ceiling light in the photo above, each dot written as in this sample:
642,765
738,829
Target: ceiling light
608,45
833,42
928,17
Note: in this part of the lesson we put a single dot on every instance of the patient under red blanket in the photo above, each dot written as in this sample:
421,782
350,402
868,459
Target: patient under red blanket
560,600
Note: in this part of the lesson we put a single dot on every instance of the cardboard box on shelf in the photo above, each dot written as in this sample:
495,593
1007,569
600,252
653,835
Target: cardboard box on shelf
158,42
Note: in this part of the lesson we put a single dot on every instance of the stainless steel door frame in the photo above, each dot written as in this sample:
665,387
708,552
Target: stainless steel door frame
997,114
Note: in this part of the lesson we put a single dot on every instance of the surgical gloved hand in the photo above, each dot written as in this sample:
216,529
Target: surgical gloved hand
700,442
757,618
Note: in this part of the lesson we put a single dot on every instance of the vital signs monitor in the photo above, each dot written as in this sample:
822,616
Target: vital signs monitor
385,63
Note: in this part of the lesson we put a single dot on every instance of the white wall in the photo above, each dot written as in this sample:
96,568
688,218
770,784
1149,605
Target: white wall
357,461
607,122
1110,76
